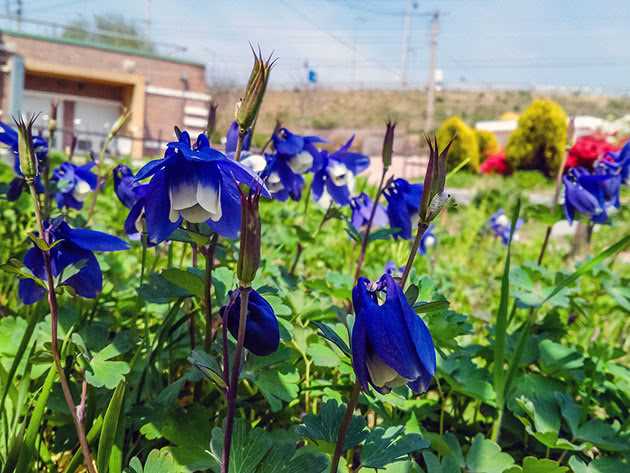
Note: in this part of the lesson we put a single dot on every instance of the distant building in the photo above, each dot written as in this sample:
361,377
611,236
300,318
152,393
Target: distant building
93,83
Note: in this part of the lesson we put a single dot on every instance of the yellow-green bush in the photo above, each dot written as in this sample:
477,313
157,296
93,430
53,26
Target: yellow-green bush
539,140
465,144
487,143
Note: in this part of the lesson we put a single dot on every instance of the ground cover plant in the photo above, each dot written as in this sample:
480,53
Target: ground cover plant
266,310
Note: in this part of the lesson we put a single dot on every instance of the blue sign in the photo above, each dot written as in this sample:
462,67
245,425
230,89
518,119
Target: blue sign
312,76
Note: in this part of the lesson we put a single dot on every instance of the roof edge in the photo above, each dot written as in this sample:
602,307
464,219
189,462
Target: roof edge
102,47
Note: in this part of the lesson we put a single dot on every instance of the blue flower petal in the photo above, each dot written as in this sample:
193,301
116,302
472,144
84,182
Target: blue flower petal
262,333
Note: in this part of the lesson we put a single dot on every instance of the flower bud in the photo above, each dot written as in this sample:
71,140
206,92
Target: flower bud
119,123
434,198
249,254
52,119
212,120
248,106
388,145
26,154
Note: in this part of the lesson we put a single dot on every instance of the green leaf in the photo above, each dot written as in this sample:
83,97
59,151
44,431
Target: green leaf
248,448
383,234
557,359
603,436
185,280
501,325
27,452
322,355
284,458
104,372
277,385
485,456
208,365
329,334
15,266
160,291
158,461
325,426
434,306
589,265
538,465
599,465
412,293
383,447
110,427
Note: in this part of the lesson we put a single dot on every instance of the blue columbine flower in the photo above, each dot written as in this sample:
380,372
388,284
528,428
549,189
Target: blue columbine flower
74,247
74,184
299,152
281,181
262,333
9,137
335,173
393,269
362,209
427,241
500,225
391,345
622,158
195,183
585,193
403,205
612,185
125,185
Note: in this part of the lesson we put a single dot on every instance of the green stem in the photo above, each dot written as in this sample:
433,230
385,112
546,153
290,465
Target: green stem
54,321
422,227
368,228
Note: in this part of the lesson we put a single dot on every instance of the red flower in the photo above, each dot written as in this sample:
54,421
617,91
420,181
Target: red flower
588,149
495,163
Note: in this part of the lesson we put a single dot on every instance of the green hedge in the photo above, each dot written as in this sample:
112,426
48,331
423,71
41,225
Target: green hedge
540,138
465,145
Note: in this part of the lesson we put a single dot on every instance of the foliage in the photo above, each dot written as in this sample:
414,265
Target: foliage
539,141
111,30
532,353
488,144
464,147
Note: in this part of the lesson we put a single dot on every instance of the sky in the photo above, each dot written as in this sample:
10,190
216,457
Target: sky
360,43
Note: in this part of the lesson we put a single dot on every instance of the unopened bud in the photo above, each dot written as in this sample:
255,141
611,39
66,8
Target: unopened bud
247,108
119,123
433,196
52,118
388,145
26,154
212,120
249,254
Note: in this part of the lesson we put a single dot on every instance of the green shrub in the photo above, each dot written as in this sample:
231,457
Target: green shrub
540,138
487,143
465,144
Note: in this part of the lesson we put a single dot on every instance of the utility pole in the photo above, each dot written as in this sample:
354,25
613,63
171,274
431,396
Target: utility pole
435,28
19,15
411,5
147,17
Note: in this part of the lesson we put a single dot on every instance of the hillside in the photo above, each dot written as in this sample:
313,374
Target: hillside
327,110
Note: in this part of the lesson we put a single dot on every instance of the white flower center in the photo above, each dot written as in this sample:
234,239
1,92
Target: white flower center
274,184
300,163
255,162
81,190
429,241
502,220
196,202
339,173
383,375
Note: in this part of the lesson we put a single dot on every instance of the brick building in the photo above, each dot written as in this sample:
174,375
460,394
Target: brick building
93,83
